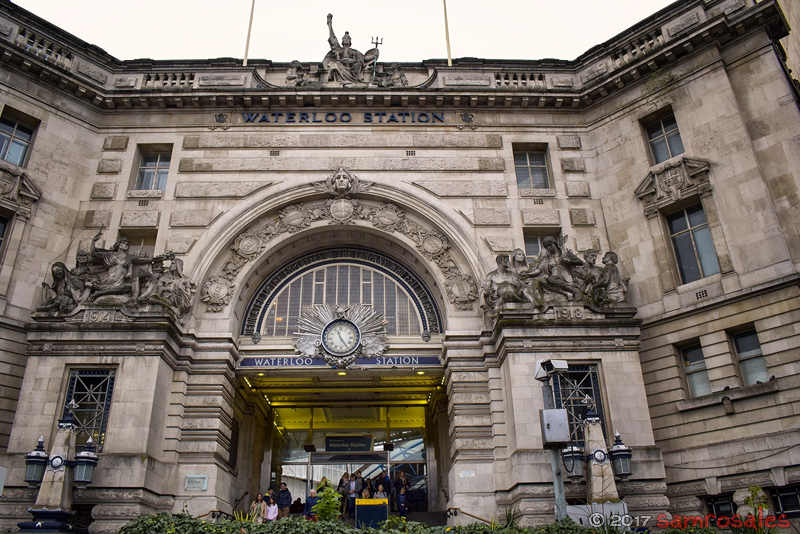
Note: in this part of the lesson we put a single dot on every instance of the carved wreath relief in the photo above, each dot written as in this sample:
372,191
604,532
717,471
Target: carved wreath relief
461,289
341,334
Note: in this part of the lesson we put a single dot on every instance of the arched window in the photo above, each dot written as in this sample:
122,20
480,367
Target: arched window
343,284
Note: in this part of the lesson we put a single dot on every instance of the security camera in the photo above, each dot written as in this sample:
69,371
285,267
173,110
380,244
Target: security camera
547,368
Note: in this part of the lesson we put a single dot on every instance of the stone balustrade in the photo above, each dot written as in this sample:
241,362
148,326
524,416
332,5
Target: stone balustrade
520,81
168,81
44,48
638,48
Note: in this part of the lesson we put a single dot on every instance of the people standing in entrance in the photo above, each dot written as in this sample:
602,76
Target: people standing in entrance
354,490
384,480
272,510
259,508
368,486
284,501
402,502
344,491
380,494
309,511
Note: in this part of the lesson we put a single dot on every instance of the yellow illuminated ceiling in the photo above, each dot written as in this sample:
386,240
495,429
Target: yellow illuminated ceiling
356,399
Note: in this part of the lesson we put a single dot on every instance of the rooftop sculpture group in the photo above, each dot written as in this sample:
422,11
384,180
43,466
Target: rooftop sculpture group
116,277
344,65
557,275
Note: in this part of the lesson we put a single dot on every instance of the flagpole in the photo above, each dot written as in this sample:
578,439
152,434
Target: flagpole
249,28
447,35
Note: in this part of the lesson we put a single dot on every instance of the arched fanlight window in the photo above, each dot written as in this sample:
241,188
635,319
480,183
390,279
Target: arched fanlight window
342,284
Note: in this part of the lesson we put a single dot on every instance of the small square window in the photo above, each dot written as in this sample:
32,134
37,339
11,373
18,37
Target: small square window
153,171
692,243
664,139
531,170
16,137
722,506
694,365
751,361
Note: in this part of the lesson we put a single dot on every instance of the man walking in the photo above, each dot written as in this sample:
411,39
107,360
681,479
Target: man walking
309,511
284,501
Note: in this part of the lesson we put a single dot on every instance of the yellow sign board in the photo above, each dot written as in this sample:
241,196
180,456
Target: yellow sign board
372,501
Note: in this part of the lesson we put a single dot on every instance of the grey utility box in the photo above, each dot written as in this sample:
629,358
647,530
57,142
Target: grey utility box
555,428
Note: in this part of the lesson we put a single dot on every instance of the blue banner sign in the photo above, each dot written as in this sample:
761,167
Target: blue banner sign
300,361
348,443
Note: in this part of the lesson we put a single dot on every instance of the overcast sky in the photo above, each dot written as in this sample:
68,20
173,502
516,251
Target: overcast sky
412,30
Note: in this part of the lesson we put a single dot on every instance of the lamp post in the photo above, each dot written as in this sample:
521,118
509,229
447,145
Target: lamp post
621,458
52,511
575,462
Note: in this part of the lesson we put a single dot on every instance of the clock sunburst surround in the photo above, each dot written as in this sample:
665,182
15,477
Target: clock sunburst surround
341,334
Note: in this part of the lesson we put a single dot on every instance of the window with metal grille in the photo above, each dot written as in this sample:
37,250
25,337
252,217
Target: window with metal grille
578,391
722,506
3,227
665,139
786,501
531,170
691,240
343,284
91,389
15,139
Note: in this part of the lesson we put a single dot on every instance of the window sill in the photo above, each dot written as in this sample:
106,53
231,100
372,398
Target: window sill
145,193
734,394
536,193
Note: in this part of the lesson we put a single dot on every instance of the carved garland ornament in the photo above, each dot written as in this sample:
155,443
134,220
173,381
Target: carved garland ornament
461,289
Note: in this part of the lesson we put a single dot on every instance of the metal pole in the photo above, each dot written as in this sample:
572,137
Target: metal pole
249,28
555,460
446,35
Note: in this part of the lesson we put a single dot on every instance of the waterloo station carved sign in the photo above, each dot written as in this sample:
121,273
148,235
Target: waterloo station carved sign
322,117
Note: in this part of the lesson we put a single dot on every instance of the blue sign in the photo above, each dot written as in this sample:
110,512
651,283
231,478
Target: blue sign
353,443
302,361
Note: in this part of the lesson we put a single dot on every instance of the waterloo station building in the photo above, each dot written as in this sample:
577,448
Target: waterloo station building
243,264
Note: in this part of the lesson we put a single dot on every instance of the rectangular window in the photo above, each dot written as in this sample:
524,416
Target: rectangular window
91,389
665,139
533,246
153,170
694,365
786,501
751,361
691,240
531,170
578,391
4,223
15,139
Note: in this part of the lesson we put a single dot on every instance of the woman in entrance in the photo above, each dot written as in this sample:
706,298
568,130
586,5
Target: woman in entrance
380,494
259,508
344,491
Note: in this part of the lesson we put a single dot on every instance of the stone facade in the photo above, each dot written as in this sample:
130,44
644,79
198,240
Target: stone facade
413,171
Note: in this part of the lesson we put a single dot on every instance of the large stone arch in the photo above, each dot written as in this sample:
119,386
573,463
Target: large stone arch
458,274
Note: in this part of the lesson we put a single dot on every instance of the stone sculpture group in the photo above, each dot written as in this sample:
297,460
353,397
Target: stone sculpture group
115,277
556,275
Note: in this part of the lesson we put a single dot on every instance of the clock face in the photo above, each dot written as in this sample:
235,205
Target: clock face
56,462
341,337
599,456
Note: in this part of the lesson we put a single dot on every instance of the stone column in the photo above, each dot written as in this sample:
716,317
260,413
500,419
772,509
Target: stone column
602,487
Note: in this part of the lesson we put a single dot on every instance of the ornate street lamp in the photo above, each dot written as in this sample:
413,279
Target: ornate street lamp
574,463
35,464
84,464
621,458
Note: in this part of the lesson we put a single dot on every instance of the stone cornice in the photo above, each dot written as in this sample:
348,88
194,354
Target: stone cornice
109,84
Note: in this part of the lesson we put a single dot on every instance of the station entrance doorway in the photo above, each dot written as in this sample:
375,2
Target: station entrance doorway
326,424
